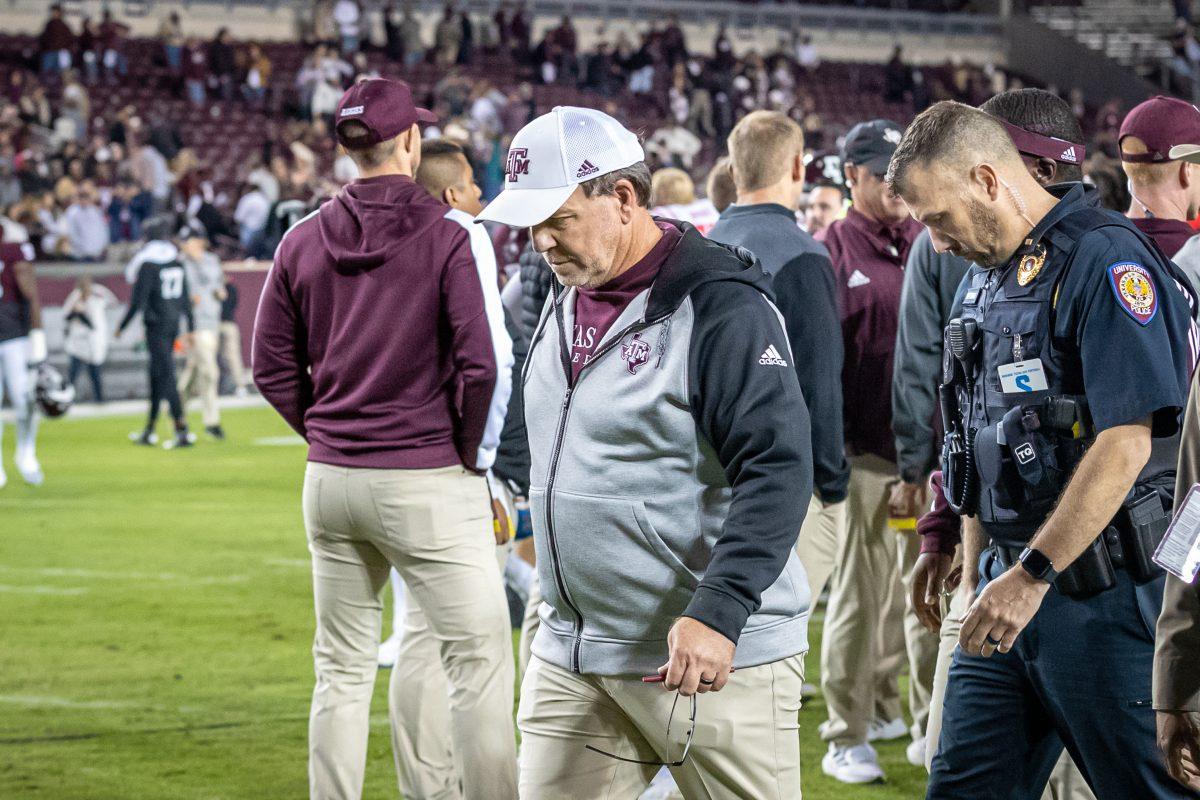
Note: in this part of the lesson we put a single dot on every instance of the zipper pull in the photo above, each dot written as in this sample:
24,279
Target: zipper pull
1017,350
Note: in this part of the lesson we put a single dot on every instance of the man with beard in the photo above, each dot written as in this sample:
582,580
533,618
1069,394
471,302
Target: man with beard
1068,373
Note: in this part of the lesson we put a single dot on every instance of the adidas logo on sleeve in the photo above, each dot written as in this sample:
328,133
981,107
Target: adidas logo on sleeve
771,357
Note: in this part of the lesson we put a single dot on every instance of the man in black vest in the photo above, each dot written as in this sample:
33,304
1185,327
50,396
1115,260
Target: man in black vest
1068,369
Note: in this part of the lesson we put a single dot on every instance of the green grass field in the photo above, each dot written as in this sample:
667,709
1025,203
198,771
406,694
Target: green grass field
156,622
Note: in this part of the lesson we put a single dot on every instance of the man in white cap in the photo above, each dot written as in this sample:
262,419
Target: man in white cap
670,471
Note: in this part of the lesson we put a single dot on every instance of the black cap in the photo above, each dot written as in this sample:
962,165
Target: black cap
159,227
871,144
191,229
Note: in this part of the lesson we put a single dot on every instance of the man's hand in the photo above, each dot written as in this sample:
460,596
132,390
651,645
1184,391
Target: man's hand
906,500
1001,612
700,658
1179,740
500,524
186,341
929,580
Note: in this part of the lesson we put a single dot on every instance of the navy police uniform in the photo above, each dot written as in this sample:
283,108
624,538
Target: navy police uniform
1087,327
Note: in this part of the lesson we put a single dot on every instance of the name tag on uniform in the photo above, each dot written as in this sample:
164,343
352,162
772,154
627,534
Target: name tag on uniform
1022,376
1179,551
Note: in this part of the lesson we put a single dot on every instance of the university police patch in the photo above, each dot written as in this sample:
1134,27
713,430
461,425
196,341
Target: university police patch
1134,289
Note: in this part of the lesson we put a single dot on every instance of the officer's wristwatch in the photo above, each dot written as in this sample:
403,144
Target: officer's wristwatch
1036,564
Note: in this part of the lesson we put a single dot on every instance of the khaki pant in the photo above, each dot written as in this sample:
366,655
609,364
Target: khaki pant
746,744
817,546
201,375
418,704
868,628
1066,782
434,527
231,352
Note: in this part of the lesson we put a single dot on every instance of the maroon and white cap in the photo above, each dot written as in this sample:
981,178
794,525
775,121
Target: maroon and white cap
1170,129
384,106
552,155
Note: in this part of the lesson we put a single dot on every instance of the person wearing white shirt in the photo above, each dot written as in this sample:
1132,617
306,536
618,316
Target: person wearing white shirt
251,215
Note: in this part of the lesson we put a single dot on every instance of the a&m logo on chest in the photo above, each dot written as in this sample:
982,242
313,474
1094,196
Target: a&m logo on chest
635,353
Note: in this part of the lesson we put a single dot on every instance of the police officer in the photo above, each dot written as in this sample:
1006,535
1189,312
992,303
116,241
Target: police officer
1065,376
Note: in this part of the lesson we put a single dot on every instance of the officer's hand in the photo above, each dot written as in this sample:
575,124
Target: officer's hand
1001,612
928,583
1179,740
906,500
500,524
700,658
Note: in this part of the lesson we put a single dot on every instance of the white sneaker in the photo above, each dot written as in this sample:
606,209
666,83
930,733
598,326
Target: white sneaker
857,764
915,752
3,478
389,652
31,471
881,730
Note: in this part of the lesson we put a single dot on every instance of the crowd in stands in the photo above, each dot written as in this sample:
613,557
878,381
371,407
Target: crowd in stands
237,134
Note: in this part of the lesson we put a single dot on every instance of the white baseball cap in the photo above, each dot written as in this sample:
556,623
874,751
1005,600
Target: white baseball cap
552,155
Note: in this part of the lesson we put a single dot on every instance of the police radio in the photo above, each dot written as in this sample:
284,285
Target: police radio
960,359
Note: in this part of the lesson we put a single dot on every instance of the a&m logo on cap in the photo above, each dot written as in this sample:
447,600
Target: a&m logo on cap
517,164
1134,289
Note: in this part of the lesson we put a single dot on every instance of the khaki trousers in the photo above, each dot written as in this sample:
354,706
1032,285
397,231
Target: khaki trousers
817,546
231,352
1066,782
434,527
201,374
746,744
869,630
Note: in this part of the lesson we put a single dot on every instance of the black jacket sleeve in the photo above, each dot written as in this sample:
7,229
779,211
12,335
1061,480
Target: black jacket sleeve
185,305
807,299
141,292
512,456
751,411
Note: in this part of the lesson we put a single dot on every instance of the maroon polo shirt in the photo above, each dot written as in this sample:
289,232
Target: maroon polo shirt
868,263
597,309
1168,234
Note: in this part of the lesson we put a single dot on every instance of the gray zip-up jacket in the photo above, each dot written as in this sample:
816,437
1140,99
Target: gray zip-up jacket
673,477
206,279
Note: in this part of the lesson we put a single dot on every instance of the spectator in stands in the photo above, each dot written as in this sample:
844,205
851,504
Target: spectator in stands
346,14
195,71
87,227
87,331
447,38
411,38
88,49
170,33
56,43
74,109
222,63
129,207
1110,181
674,145
258,76
149,169
466,44
10,184
112,47
253,208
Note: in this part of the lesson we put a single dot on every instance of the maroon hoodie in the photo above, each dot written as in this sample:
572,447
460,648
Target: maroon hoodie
371,339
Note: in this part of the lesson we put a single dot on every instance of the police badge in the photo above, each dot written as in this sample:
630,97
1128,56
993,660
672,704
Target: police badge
1031,265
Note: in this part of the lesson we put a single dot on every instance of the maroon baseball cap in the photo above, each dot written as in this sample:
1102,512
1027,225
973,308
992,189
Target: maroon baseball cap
385,106
1164,124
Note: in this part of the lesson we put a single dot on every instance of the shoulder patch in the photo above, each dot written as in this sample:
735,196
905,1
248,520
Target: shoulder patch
1133,287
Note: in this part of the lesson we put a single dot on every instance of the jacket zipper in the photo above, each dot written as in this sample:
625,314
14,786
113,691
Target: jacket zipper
555,561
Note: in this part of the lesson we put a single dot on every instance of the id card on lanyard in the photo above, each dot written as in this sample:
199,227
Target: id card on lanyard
1179,551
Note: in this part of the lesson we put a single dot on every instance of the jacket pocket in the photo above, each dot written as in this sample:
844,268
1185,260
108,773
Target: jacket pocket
785,599
627,583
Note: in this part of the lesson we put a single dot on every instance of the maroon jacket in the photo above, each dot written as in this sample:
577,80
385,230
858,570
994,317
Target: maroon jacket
1168,234
372,338
868,263
940,528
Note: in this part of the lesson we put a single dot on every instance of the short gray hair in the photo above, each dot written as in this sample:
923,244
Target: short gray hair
637,174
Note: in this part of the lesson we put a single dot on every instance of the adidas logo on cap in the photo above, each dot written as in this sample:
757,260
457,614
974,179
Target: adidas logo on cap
586,168
771,357
1069,155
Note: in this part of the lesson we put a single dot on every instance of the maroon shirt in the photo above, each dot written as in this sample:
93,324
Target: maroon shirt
868,263
1168,234
940,528
597,309
371,339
